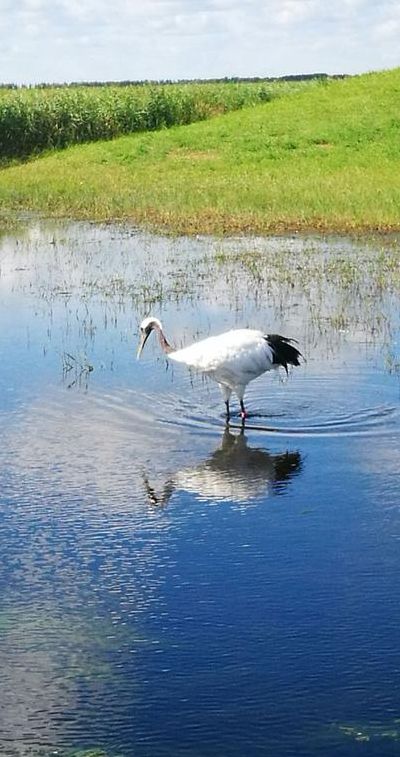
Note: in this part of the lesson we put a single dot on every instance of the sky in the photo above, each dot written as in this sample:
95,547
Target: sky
114,40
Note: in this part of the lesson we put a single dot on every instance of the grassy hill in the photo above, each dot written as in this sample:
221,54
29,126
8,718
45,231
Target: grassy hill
326,157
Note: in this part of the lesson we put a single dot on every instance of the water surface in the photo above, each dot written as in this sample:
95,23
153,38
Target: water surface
170,586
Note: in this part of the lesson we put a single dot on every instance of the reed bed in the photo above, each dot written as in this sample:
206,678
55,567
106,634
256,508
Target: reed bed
38,119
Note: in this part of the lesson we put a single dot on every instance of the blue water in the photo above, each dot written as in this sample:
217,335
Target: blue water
170,586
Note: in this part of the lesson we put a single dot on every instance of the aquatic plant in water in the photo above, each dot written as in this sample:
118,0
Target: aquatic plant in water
370,731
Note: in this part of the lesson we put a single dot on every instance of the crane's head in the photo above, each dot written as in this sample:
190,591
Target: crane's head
146,327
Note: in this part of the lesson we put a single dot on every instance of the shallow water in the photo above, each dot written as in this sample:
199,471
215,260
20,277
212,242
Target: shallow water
170,586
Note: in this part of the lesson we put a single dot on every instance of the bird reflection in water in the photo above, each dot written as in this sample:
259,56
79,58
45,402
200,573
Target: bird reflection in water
234,472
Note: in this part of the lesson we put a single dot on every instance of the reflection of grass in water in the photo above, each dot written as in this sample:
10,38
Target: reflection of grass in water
364,732
76,370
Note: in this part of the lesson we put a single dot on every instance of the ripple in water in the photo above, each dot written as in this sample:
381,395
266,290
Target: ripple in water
154,562
369,421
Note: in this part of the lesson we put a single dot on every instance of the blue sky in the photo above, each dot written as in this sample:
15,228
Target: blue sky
76,40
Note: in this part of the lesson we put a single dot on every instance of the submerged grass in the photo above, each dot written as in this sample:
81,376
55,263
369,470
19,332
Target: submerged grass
325,158
10,224
366,732
339,287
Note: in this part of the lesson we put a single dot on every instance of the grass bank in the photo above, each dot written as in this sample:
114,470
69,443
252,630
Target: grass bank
324,158
43,118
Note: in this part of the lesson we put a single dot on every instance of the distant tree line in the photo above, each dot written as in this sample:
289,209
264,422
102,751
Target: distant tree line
152,82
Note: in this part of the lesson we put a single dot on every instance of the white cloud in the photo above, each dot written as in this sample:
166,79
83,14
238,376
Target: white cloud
295,11
128,39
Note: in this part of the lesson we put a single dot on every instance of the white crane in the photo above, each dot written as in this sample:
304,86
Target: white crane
232,359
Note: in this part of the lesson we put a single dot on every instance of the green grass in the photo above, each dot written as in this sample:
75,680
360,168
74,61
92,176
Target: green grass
33,120
326,157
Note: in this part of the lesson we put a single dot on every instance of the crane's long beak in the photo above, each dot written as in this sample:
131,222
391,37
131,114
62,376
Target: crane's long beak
143,339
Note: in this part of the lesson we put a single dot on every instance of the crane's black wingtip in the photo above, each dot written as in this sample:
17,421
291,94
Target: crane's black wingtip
283,351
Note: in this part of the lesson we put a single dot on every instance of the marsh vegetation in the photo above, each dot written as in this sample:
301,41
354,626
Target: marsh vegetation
37,118
322,156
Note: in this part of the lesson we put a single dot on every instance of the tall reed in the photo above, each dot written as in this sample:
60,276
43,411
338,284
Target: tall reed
37,119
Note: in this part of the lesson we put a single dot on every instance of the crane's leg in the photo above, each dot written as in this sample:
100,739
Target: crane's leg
243,411
226,394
